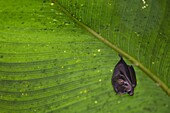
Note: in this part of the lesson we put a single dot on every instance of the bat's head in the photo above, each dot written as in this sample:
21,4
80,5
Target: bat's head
121,87
128,88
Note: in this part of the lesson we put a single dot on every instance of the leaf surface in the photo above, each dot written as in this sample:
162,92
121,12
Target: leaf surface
50,64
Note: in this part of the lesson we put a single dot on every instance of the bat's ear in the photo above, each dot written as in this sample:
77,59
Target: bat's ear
131,93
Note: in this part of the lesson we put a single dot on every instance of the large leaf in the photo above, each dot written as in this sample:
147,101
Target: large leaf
49,64
139,28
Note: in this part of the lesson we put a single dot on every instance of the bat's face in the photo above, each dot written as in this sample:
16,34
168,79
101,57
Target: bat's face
124,79
123,86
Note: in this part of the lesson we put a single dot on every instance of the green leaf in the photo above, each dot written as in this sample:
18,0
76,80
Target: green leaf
50,64
125,35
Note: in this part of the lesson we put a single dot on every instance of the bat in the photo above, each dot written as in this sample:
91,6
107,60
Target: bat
123,78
